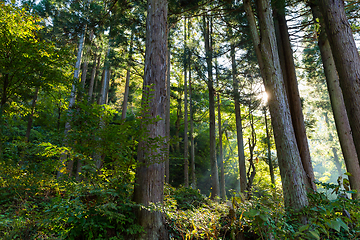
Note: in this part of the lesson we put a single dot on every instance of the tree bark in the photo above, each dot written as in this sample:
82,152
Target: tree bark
102,101
338,106
167,114
192,148
292,90
127,83
221,160
347,60
70,109
151,170
186,138
291,170
239,129
215,191
96,66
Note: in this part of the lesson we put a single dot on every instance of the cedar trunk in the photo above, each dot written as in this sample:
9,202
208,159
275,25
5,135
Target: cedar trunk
70,109
347,60
186,139
167,116
150,173
215,191
221,160
239,129
338,107
192,148
291,170
291,85
127,83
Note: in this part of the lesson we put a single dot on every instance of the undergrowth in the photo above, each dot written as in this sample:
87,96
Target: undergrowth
40,207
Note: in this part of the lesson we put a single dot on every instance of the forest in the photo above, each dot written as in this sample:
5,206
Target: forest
179,119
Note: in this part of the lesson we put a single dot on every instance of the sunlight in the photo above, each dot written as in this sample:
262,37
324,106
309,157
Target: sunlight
265,97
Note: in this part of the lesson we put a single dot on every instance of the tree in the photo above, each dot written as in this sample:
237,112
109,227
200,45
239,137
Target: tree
292,173
347,60
28,61
239,133
186,138
338,107
207,28
151,170
291,85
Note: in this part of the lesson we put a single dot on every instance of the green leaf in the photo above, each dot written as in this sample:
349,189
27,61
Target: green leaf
304,227
264,217
342,224
254,212
334,225
315,234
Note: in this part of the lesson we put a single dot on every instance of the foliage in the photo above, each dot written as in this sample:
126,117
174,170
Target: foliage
264,218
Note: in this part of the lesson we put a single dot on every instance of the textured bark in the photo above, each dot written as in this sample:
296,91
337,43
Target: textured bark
192,148
250,16
85,63
96,66
239,129
151,170
291,170
167,115
127,83
106,79
221,160
215,191
71,105
31,115
347,60
186,139
103,99
291,85
338,106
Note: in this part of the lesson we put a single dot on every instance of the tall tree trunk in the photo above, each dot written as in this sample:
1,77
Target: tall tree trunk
70,111
106,80
150,173
215,191
85,63
338,164
291,170
127,83
186,139
291,85
167,114
338,107
239,129
96,66
103,100
347,60
31,115
221,160
192,148
271,167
